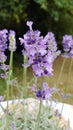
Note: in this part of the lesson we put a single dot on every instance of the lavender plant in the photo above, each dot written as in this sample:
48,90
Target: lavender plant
39,53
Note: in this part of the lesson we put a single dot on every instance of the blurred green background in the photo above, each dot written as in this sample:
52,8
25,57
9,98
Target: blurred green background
48,15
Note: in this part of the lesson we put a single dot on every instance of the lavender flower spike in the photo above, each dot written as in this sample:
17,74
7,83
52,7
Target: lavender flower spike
3,40
12,41
43,92
67,42
67,45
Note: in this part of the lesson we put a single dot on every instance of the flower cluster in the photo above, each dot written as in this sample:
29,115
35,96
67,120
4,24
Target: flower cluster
68,45
40,51
3,40
43,92
3,47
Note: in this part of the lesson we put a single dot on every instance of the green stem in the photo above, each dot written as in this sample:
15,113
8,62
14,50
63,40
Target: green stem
7,117
11,70
68,81
11,60
38,117
25,75
25,82
60,73
25,90
8,82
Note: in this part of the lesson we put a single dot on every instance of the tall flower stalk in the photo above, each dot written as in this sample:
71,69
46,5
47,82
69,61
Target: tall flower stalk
3,66
60,73
3,47
68,52
39,52
25,74
66,86
38,117
67,42
43,93
12,48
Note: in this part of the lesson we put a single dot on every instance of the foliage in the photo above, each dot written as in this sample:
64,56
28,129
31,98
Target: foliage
13,9
49,15
60,15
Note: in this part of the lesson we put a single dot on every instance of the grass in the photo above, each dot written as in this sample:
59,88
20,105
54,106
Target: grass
51,80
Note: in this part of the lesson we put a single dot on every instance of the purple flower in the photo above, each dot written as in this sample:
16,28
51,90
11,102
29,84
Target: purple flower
4,67
57,113
51,44
12,41
13,126
4,76
41,51
31,40
31,37
3,47
50,41
33,44
67,46
38,71
67,42
2,57
14,82
66,96
3,40
43,92
42,66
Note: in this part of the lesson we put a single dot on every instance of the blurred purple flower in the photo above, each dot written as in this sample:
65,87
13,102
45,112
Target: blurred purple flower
4,67
12,41
14,82
13,126
50,41
66,96
67,46
3,47
42,93
57,113
67,42
2,57
4,76
51,44
3,40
